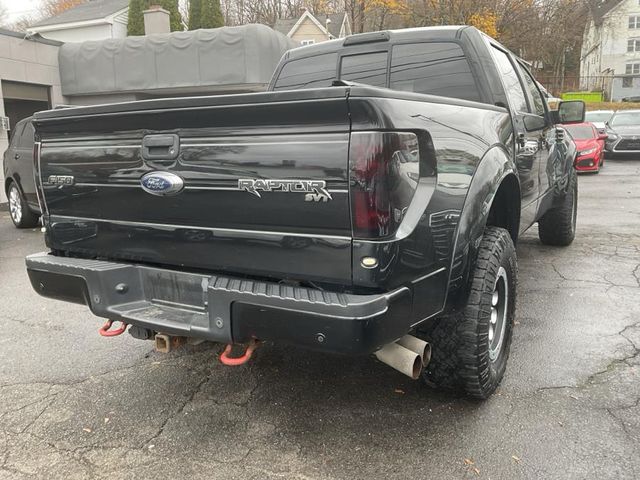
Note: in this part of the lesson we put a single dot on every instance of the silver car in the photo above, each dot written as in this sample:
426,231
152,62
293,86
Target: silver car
623,131
599,118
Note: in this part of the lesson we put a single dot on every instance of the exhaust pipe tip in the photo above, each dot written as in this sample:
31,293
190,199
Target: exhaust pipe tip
402,359
409,355
418,346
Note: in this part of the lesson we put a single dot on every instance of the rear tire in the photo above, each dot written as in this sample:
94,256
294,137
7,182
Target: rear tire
558,226
21,215
470,348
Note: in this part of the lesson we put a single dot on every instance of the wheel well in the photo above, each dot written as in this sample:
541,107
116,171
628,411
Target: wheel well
7,182
505,208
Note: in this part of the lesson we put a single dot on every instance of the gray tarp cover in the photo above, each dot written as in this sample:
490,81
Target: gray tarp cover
227,56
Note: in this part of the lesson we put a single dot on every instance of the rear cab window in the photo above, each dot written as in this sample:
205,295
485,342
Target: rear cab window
310,72
434,68
368,68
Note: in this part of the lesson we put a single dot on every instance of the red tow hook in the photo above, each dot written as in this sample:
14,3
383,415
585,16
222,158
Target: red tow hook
225,359
105,332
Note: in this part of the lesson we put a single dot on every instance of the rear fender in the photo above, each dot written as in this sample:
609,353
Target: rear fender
495,166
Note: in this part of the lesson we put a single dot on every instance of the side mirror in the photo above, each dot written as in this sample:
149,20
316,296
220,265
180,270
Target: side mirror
571,111
603,136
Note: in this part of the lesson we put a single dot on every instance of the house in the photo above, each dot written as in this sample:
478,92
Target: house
309,29
610,55
93,20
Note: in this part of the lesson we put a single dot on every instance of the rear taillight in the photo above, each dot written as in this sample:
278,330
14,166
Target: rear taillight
385,169
36,177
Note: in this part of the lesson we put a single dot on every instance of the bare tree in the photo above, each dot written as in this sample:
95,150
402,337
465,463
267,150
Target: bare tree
51,8
4,16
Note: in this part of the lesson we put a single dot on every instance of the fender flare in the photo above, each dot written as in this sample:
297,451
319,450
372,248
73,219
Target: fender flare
8,181
493,169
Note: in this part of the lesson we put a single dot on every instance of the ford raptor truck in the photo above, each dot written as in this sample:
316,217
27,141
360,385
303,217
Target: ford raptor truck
369,202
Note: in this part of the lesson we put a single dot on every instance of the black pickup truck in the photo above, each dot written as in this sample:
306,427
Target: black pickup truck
368,203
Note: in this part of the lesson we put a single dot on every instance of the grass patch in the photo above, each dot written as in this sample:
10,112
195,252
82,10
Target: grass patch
612,106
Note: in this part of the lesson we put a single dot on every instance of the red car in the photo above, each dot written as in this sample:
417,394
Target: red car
590,146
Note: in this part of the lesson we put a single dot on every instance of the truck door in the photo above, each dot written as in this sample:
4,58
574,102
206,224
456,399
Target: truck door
528,132
538,117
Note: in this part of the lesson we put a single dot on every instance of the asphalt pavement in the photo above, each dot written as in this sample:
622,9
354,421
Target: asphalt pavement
74,405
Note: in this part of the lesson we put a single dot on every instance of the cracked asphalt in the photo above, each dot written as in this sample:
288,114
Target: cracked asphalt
76,405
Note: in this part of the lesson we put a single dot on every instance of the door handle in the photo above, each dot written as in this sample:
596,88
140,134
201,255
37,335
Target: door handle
16,156
521,140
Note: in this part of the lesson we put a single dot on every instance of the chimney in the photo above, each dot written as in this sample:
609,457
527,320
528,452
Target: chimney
156,20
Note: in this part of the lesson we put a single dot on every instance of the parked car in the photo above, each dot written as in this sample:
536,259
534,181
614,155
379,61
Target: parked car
599,118
411,158
18,176
590,145
623,133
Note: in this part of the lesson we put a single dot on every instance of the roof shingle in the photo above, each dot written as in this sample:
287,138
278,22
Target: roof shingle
91,10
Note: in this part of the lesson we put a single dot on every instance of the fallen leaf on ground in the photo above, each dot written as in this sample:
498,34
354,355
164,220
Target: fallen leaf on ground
468,461
85,429
517,459
399,390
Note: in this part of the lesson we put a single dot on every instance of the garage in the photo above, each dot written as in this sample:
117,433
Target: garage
29,81
22,100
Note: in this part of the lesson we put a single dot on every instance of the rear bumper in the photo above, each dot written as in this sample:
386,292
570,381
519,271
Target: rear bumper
224,309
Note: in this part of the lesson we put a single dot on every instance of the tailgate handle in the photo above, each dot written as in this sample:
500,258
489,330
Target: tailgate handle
160,147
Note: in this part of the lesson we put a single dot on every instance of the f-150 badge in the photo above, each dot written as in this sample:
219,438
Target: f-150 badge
314,190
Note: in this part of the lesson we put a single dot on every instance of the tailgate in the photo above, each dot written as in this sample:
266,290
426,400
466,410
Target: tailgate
254,183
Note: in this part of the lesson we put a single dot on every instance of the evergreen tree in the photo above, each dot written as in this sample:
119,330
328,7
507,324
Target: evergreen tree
175,20
195,12
136,17
211,14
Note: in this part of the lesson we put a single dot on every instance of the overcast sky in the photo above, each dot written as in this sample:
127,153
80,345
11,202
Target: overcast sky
19,8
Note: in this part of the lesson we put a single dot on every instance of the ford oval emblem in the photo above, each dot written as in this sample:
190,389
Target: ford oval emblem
162,183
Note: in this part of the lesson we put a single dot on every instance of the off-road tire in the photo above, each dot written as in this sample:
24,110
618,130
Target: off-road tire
27,219
558,225
460,355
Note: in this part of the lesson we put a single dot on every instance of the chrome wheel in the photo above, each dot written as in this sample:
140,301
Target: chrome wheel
15,204
498,320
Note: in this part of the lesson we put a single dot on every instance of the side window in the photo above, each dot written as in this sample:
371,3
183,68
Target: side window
309,72
510,81
538,101
15,134
369,68
26,139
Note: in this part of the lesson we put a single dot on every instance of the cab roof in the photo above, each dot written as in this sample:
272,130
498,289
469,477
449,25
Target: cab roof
449,32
